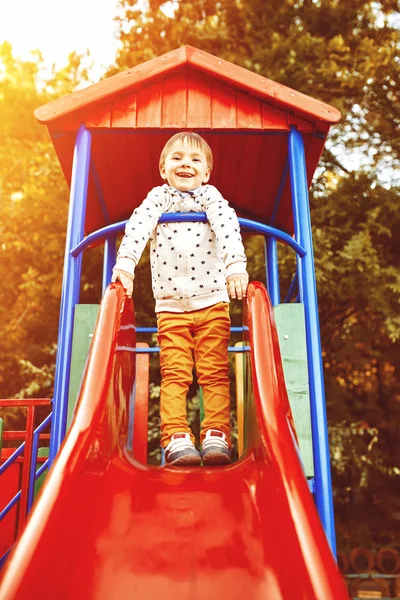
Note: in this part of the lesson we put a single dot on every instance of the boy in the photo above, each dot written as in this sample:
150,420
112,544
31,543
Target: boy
194,268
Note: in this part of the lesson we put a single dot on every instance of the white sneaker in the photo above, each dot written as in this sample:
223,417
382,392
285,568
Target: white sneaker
215,449
181,451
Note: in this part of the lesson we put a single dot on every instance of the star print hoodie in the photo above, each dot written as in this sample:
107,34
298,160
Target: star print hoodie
189,261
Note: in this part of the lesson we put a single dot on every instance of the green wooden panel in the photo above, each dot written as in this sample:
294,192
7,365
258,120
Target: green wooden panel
84,322
201,398
40,480
292,342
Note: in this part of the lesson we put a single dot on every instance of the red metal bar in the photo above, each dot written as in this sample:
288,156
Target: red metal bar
23,503
7,452
19,473
10,402
14,435
20,435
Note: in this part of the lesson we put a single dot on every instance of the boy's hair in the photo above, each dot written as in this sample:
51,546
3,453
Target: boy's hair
191,138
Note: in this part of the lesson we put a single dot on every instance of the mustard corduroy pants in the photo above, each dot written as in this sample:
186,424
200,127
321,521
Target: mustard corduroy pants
199,338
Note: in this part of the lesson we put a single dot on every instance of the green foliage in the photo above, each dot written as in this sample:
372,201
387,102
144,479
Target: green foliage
33,218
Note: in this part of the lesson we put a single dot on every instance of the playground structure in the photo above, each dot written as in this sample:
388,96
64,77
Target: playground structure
154,530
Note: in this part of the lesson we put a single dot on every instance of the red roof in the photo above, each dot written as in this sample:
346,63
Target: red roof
245,118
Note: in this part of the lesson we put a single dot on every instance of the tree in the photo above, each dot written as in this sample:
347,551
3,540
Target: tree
33,214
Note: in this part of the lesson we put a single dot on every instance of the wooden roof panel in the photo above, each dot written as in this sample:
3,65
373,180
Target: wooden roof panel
216,68
184,99
244,117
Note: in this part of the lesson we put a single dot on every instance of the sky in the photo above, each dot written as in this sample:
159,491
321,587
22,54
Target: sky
58,27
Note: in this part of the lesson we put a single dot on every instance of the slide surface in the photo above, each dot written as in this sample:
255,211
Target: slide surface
107,527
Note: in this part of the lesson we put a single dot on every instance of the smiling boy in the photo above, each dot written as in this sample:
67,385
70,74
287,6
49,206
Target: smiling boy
195,268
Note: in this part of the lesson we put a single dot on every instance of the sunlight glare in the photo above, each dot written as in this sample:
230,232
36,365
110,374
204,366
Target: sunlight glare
58,28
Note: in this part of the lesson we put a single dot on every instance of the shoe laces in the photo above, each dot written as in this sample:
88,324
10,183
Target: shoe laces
215,438
179,441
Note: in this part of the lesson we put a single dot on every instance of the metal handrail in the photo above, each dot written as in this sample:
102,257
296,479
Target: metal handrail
156,349
29,448
33,474
189,217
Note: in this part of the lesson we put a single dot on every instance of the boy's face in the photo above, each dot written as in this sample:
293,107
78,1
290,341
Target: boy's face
185,167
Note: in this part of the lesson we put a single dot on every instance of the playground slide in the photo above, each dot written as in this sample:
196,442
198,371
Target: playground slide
107,527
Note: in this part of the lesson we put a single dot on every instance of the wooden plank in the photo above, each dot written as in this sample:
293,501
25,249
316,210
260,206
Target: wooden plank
199,100
268,179
240,367
248,111
174,101
141,406
292,342
273,118
149,105
248,169
98,116
70,122
223,106
301,124
84,322
215,142
124,111
141,169
102,177
155,145
228,169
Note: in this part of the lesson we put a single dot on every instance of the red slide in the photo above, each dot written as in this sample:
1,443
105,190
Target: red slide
106,527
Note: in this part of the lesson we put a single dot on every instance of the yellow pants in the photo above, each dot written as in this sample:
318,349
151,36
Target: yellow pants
197,338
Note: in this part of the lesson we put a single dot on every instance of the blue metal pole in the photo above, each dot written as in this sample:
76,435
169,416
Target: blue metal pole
271,252
70,287
33,474
308,294
110,256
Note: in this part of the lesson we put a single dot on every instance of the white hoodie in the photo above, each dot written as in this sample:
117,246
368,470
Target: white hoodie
189,261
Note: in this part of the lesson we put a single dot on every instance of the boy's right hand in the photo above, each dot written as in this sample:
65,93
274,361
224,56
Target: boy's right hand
126,279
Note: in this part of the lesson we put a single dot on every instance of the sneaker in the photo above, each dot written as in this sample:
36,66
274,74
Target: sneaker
181,451
215,449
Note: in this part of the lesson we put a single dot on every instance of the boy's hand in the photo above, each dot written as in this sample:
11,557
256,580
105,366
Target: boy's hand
126,279
237,285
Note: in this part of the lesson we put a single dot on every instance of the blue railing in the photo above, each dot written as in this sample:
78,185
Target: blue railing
33,474
109,234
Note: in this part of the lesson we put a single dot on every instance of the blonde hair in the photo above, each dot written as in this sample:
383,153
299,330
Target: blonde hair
194,139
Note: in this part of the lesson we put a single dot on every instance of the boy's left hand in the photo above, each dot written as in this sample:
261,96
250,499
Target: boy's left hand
237,285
